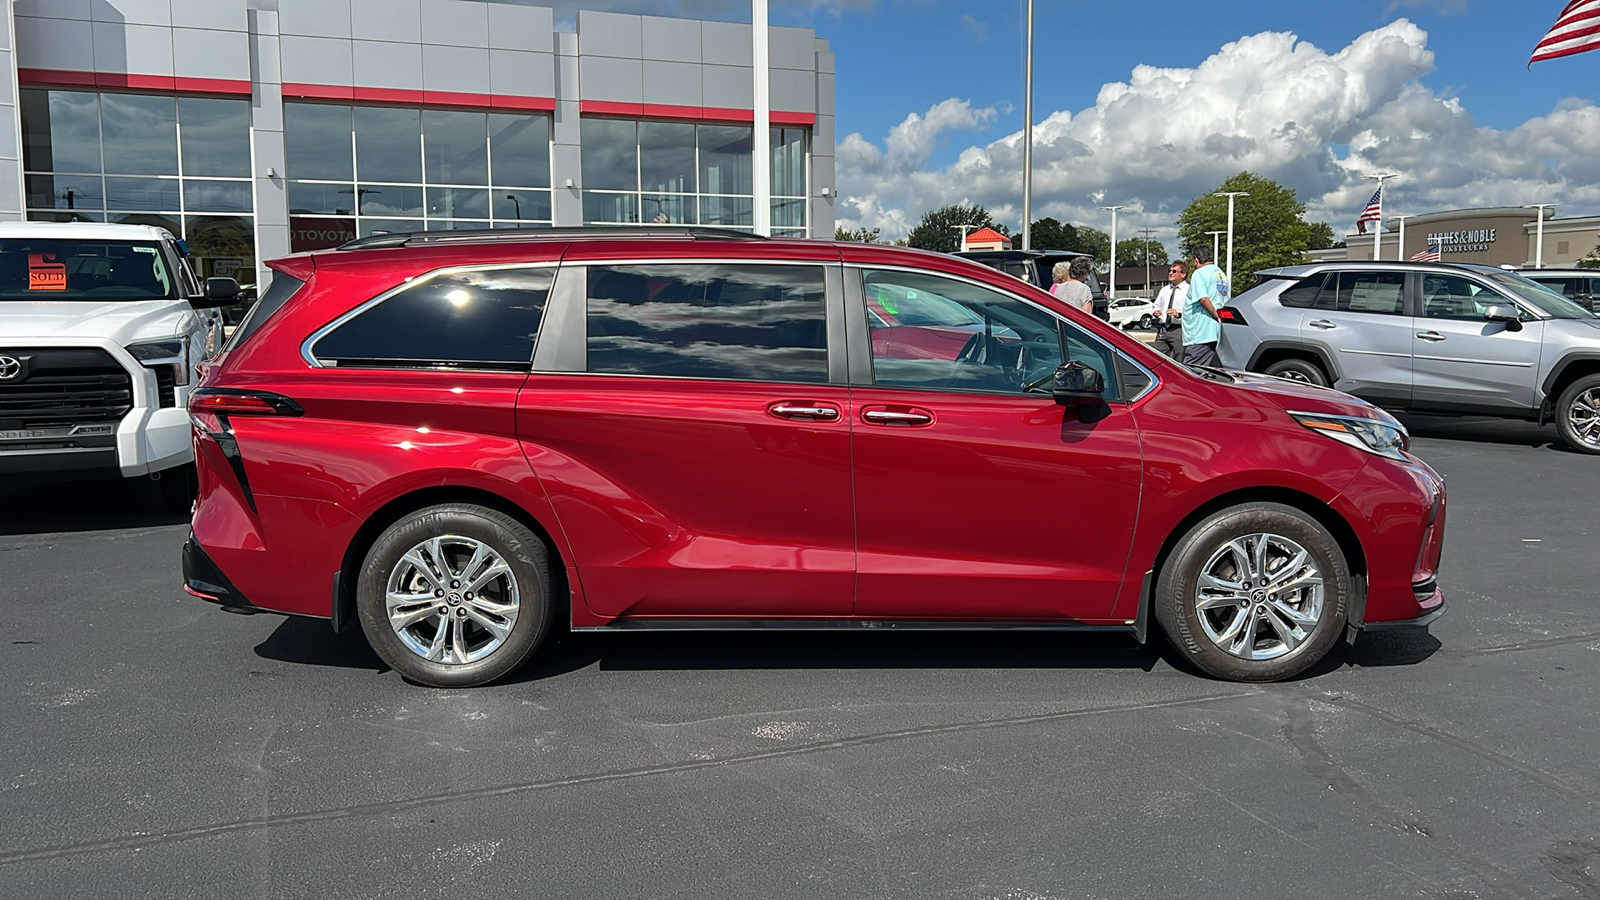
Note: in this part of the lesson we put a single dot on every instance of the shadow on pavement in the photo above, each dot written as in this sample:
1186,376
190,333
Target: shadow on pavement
312,642
40,507
1512,432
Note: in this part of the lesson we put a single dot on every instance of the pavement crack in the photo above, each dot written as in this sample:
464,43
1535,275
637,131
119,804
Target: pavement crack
1301,731
1540,644
393,807
1569,862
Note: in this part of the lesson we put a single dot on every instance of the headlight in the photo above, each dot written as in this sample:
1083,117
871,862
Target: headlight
1372,435
173,352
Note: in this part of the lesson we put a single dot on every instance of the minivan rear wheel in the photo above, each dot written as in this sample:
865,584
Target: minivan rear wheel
455,595
1578,414
1301,370
1257,592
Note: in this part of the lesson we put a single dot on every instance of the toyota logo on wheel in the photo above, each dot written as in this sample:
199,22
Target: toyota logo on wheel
10,367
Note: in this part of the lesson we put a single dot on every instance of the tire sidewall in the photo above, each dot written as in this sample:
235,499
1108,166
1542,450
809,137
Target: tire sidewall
1176,590
1312,372
519,547
1564,413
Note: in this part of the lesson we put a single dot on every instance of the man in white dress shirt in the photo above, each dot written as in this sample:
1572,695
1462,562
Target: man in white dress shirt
1169,306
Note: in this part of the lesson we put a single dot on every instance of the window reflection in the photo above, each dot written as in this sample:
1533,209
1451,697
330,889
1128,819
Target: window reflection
746,322
140,134
610,154
60,131
317,142
388,144
456,150
216,137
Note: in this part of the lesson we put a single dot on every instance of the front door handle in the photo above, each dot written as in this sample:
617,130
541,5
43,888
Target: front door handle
813,411
1321,323
1430,335
896,417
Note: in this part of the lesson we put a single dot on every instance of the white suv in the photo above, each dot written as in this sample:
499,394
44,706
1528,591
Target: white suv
100,329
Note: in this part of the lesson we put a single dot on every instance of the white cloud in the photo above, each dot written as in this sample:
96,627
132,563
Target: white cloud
1269,103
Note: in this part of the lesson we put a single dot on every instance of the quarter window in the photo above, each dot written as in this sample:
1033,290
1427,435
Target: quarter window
1304,294
934,333
744,322
460,320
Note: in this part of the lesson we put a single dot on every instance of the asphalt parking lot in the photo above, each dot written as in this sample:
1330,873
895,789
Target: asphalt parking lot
155,746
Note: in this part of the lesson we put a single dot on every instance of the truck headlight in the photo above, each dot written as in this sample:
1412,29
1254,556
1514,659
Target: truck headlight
172,352
1372,435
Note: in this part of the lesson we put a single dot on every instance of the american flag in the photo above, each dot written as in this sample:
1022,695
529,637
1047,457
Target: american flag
1429,255
1374,210
1576,30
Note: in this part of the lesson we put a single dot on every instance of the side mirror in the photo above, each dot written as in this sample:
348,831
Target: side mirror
1506,315
218,292
1076,384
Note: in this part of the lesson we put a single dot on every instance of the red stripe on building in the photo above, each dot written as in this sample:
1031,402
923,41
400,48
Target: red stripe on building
129,81
408,97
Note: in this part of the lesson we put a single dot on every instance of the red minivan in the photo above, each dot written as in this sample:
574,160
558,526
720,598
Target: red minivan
453,438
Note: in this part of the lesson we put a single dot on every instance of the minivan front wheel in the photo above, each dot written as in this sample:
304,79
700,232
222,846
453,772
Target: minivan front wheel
1257,592
455,595
1578,414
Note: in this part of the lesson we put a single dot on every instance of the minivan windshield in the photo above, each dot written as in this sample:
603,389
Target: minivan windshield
1546,300
65,269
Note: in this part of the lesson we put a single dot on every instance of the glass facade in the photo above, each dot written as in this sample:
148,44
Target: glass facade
182,163
356,170
684,173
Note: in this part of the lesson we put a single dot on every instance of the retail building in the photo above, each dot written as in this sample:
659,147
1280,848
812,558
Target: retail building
1498,236
255,128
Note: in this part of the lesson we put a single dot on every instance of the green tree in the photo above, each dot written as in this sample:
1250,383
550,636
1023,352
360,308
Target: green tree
938,231
1269,227
1133,252
1321,237
1094,242
1591,261
1050,234
858,235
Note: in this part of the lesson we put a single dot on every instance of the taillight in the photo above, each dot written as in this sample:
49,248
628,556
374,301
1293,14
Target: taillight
1228,315
232,402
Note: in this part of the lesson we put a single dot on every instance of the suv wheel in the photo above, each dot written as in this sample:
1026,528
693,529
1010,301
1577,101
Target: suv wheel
1147,321
1578,414
455,595
1299,370
1254,593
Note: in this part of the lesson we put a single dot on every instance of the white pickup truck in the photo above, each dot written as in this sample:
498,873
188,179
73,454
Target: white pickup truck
100,330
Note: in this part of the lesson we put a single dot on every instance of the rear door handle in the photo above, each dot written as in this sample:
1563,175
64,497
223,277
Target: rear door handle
907,417
812,411
1430,335
1321,323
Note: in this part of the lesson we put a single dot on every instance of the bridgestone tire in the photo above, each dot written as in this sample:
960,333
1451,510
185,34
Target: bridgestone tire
1177,591
523,553
1570,418
1299,370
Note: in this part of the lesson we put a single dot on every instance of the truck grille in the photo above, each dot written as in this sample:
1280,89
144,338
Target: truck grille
62,386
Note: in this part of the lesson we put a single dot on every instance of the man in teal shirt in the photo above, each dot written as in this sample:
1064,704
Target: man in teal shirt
1201,328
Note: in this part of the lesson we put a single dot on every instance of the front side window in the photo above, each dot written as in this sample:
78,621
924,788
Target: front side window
697,320
935,333
1454,297
484,319
55,269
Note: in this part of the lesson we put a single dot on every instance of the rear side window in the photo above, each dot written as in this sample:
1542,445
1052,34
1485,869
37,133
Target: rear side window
689,320
1371,292
457,320
278,293
1304,294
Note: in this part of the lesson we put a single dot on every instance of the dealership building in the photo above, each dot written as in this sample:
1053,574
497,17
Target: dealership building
1499,236
257,128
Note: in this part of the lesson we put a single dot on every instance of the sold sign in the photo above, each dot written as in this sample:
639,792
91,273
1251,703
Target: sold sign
44,275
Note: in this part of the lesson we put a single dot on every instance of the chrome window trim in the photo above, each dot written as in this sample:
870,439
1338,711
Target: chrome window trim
411,282
1154,380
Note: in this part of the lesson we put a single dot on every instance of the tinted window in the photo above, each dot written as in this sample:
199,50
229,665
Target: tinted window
937,333
1368,292
278,293
747,322
484,319
52,269
1454,297
1304,294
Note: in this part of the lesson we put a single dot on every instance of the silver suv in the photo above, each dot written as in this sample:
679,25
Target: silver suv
1425,337
1581,286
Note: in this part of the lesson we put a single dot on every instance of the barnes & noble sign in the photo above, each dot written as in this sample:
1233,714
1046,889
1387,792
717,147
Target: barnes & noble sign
1473,241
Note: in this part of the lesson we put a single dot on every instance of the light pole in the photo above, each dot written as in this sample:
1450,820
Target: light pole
1146,232
1400,250
1538,247
1377,241
1112,293
963,230
1216,243
1231,195
1027,142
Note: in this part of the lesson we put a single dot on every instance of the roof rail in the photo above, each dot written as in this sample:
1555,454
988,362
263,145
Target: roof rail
587,232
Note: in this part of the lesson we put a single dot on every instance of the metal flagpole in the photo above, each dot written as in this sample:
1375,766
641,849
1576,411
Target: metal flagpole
1027,142
761,144
1538,247
1400,251
1377,241
1231,195
1216,243
1112,293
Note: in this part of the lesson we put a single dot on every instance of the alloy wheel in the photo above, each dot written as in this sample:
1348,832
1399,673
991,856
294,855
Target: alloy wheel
1259,596
1584,414
452,599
